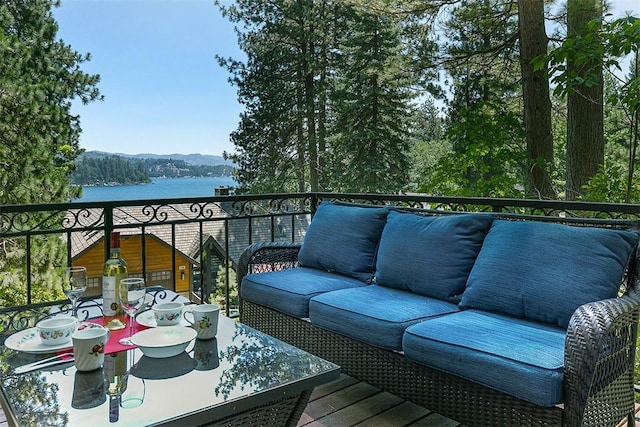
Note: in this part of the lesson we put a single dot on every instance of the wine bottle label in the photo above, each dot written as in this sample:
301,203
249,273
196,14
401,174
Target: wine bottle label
110,303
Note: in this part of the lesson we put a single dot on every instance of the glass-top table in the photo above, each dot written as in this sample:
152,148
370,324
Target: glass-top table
242,375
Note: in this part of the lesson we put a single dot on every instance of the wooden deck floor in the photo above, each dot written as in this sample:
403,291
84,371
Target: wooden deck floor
347,402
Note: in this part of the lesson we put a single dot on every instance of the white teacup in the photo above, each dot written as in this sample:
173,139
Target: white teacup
88,348
167,313
57,330
204,319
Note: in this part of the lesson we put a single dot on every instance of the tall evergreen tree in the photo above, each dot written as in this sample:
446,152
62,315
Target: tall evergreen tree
39,77
371,103
277,141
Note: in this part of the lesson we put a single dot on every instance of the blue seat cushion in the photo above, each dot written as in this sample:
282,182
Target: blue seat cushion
430,255
343,239
515,356
289,291
374,314
542,271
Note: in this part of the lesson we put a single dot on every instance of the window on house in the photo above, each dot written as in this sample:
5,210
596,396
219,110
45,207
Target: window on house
160,275
94,282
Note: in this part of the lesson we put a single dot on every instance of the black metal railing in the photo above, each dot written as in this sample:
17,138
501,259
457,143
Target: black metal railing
213,231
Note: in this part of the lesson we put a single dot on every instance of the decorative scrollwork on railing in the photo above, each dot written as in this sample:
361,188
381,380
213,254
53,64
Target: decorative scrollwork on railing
273,206
16,222
206,210
83,218
244,208
289,206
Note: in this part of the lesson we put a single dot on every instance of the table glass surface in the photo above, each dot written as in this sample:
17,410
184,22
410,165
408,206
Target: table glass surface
212,374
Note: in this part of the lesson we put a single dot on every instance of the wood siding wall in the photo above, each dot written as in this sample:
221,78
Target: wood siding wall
158,261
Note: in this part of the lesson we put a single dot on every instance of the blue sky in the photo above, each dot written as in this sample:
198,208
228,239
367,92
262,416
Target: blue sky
164,91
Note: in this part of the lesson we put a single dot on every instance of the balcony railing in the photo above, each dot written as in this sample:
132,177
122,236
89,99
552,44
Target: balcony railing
192,245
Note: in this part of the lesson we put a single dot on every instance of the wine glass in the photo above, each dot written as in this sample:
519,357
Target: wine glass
132,294
74,283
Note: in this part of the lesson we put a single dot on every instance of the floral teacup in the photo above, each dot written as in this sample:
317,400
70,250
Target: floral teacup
57,330
167,313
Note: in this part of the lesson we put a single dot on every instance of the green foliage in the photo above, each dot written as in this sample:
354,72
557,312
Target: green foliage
484,127
220,297
427,143
39,77
488,157
331,92
604,43
610,185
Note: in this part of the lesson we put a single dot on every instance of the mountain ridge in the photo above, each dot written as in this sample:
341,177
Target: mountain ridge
193,158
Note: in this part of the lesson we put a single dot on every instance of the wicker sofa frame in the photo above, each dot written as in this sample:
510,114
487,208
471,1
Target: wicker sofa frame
599,356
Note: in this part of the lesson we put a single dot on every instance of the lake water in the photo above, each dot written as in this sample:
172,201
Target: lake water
159,188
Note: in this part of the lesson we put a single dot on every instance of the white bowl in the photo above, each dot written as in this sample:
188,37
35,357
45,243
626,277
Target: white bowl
164,342
57,330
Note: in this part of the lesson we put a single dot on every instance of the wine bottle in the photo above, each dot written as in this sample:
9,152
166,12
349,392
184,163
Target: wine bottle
115,269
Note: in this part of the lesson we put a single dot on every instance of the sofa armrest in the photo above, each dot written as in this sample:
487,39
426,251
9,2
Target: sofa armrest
599,361
267,256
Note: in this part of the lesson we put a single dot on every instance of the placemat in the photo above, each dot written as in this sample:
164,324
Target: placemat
113,345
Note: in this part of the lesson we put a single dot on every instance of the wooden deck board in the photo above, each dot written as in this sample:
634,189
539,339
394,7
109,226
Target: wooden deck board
399,415
346,402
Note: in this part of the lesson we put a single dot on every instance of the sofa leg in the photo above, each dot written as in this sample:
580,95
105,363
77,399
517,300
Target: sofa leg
631,419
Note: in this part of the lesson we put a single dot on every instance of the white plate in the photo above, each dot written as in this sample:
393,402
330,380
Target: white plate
28,341
147,319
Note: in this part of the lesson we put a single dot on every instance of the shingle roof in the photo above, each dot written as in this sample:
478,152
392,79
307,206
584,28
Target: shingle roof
188,220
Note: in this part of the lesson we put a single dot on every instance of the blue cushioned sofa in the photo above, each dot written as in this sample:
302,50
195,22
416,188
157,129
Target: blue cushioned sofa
489,319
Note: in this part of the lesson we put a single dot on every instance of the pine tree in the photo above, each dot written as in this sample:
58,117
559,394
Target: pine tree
39,77
371,100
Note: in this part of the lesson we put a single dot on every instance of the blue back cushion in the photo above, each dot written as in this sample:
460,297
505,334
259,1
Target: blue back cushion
430,255
544,271
343,239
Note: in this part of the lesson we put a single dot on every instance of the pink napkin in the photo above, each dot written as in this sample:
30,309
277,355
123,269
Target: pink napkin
113,345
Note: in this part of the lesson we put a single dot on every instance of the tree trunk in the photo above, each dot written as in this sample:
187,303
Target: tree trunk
585,132
537,104
300,142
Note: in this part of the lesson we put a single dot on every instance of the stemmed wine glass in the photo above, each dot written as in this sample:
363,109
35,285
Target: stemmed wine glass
74,283
132,295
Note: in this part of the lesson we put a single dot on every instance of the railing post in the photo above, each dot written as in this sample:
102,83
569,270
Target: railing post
314,203
108,229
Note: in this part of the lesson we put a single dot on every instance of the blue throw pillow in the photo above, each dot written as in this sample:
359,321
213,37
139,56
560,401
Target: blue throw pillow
544,272
430,255
343,239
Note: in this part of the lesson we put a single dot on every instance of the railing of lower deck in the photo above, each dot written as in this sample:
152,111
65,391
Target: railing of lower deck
230,223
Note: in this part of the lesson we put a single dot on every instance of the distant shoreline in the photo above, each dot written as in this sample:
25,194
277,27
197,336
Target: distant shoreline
120,184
